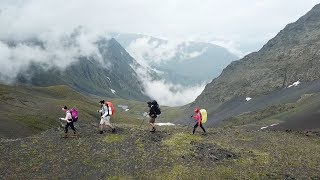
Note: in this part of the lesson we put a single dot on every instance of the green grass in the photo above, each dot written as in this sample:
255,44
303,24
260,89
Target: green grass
113,138
38,108
179,143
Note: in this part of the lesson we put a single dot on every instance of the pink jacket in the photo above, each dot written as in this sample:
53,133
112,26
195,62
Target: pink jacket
198,118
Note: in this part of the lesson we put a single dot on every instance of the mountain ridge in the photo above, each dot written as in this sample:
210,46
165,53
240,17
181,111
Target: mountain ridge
286,58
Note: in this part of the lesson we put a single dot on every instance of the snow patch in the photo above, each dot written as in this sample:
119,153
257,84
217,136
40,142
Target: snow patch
113,91
248,98
294,84
269,126
164,124
124,107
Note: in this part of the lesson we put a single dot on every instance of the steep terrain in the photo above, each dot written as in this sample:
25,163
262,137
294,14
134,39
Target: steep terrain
110,76
292,55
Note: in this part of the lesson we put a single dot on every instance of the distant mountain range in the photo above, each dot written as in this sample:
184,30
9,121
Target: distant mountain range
186,63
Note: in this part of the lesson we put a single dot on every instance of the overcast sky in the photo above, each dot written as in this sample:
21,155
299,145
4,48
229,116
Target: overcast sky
241,25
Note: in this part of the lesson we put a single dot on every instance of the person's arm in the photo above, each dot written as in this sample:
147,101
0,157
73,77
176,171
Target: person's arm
68,116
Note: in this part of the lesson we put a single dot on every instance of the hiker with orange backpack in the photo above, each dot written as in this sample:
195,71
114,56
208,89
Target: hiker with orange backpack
71,117
106,112
198,118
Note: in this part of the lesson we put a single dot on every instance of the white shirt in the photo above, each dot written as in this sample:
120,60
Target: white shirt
68,117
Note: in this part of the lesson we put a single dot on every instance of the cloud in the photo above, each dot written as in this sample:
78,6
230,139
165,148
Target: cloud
172,95
48,50
230,20
165,92
193,54
147,50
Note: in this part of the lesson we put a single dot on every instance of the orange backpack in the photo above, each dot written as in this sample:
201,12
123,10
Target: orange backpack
110,105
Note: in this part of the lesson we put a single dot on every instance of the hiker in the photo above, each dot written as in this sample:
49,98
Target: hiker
198,118
105,117
69,120
154,110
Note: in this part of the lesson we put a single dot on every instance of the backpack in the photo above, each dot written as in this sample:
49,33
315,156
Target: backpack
157,108
204,116
74,114
110,105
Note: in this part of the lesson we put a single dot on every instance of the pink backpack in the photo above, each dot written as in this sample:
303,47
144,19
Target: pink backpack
74,114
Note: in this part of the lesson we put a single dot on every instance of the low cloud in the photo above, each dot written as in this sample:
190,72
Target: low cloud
170,94
49,49
193,54
167,93
148,50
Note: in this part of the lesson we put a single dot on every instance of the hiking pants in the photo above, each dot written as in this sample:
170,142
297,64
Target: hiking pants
72,127
196,125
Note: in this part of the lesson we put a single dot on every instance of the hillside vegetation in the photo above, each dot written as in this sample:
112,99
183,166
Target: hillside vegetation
29,110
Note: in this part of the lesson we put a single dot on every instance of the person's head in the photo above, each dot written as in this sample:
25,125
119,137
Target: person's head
102,102
149,104
196,110
65,109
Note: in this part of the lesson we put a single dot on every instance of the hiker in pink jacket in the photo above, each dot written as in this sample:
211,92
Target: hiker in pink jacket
198,118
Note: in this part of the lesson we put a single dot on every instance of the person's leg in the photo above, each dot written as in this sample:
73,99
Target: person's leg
66,129
101,125
72,127
151,124
194,128
202,128
107,121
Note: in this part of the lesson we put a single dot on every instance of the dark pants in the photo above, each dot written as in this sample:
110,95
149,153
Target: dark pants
196,125
72,127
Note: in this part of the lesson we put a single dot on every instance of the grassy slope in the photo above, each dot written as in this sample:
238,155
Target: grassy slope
28,110
170,153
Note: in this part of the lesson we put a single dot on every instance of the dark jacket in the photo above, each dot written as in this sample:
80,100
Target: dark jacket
152,112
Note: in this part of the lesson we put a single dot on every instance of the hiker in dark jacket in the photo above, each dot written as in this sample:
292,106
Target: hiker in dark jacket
69,120
152,115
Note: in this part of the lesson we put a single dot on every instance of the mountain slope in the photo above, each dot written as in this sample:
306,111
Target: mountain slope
26,110
291,55
111,75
